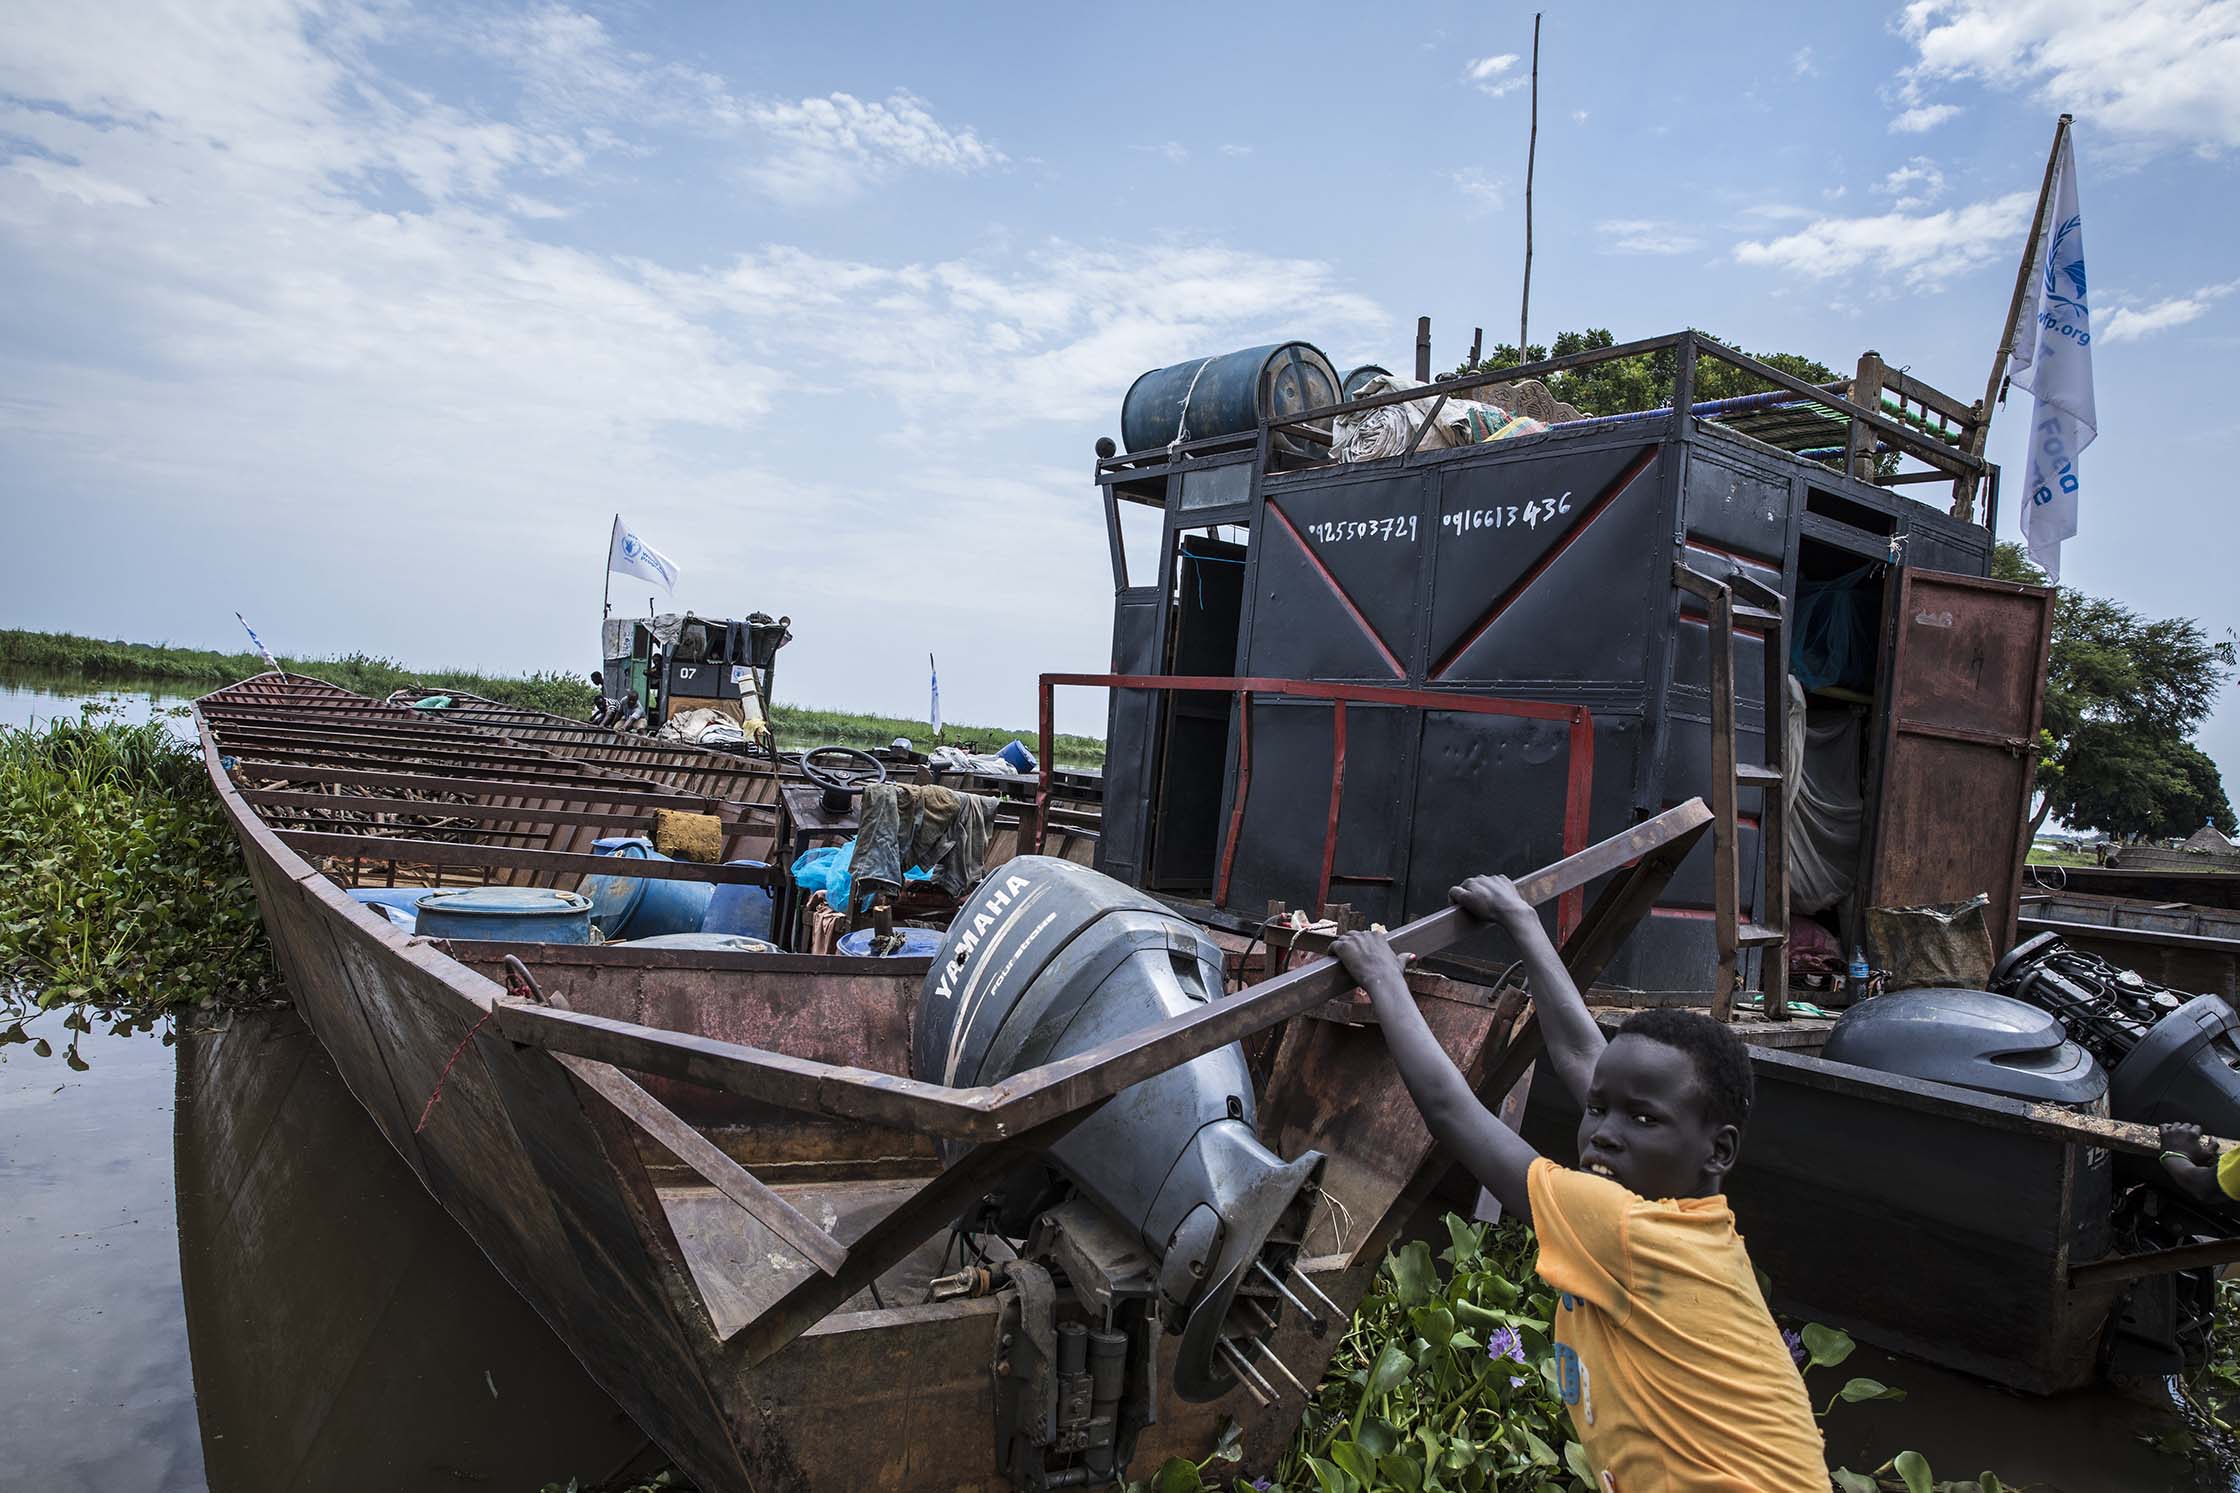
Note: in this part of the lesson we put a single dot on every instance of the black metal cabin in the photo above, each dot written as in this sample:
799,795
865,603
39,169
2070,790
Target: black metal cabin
1361,628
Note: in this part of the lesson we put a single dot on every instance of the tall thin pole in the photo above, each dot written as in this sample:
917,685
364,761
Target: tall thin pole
1964,503
606,593
1531,152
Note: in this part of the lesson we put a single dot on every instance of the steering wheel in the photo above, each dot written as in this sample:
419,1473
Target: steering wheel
838,781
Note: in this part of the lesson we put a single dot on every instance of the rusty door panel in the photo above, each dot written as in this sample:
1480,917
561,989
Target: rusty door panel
1967,677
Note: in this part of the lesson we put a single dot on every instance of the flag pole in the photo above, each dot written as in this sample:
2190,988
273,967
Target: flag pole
606,594
1964,499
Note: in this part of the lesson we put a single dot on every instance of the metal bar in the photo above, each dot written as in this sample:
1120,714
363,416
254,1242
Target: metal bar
1424,425
1683,384
1899,435
1337,797
1046,738
1244,786
512,858
2160,1262
713,1166
1316,689
1058,1088
889,1241
1726,860
1540,370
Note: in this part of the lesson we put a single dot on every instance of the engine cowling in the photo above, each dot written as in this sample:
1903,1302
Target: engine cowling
1048,959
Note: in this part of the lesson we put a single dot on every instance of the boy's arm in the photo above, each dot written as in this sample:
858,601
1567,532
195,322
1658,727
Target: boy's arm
1493,1153
1574,1040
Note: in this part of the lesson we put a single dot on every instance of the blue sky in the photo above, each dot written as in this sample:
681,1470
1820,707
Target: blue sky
362,318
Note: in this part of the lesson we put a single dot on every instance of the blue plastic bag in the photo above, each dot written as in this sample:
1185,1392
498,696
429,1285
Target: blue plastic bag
830,869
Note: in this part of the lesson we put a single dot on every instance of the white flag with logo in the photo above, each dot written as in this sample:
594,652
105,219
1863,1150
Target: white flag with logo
631,555
2053,359
933,711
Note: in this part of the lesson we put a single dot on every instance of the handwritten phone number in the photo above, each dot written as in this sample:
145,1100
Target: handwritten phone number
1401,526
1530,514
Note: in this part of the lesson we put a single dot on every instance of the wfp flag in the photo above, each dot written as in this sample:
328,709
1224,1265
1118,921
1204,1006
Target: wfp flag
631,555
270,662
2052,355
934,714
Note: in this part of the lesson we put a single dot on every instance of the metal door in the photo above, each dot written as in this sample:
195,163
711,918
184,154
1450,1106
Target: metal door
1967,676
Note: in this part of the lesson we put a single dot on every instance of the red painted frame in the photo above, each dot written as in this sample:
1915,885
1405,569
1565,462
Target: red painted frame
1578,777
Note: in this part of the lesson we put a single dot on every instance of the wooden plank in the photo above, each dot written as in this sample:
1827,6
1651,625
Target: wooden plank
718,1170
594,789
512,858
282,798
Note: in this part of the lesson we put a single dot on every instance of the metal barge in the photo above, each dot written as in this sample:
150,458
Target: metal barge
800,1254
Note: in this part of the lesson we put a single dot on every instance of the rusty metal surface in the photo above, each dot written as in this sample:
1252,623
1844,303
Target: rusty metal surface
1967,679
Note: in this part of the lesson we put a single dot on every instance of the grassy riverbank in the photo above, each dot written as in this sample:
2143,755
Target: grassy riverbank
60,657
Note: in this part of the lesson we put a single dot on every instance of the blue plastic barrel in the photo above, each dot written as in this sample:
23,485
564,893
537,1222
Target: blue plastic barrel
520,914
1349,387
744,910
1018,756
401,904
917,943
722,943
1229,394
624,906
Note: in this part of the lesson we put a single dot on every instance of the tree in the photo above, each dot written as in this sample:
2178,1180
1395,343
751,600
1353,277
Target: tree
1644,381
2124,693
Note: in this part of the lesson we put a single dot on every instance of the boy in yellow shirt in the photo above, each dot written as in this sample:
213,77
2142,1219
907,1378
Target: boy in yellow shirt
1676,1378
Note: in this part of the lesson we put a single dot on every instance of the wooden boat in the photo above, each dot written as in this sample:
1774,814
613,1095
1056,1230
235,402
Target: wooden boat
2176,943
709,1171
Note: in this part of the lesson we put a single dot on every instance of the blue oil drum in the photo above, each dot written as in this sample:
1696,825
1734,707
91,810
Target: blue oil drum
917,943
520,914
1018,756
721,943
625,906
400,904
743,910
1229,394
1349,387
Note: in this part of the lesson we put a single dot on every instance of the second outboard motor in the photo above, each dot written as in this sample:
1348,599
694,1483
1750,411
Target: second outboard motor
1047,959
1970,1038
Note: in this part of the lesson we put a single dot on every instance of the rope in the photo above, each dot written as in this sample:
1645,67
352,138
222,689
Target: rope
437,1092
1182,416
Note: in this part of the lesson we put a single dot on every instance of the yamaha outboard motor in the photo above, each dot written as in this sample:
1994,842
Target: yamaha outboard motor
1161,1211
1972,1039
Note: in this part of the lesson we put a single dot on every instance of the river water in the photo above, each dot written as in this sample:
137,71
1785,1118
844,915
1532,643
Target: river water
219,1277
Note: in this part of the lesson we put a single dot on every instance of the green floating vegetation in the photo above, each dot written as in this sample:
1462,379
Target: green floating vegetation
123,896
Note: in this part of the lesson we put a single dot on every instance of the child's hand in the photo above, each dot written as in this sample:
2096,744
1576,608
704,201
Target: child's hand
1366,957
1493,899
2186,1140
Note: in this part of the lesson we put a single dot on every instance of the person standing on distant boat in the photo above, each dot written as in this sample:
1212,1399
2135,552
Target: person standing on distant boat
1676,1379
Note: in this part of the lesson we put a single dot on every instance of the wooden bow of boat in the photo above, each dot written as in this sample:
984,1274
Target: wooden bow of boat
711,1171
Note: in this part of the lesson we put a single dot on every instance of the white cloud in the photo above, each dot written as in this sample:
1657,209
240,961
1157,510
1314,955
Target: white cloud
1802,64
2129,323
1236,152
1481,194
1917,183
1922,118
2153,70
1643,236
1495,76
1922,250
1778,212
1578,116
292,308
835,146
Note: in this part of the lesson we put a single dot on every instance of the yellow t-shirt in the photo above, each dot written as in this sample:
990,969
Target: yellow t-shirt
1676,1378
2228,1172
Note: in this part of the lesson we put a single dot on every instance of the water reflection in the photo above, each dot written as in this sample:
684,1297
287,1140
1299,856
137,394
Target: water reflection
288,1309
345,1332
33,700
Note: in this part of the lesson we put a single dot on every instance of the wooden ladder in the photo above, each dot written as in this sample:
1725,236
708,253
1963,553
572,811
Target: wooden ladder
1738,597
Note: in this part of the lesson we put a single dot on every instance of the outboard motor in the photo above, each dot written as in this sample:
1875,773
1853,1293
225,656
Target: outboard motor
1161,1211
1972,1039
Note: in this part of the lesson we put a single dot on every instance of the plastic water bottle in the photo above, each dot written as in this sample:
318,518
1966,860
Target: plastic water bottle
1856,985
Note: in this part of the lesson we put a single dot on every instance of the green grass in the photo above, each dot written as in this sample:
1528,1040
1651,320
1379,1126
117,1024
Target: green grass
67,658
